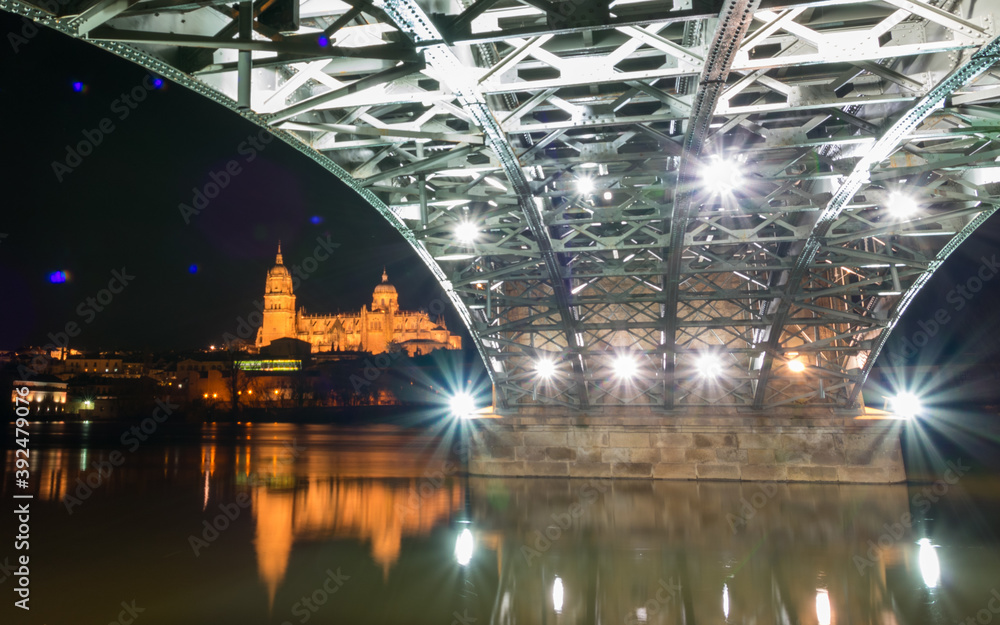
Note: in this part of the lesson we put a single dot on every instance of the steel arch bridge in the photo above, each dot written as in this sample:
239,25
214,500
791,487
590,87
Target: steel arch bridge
582,140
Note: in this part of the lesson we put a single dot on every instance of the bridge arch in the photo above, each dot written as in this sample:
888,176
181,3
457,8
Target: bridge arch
571,138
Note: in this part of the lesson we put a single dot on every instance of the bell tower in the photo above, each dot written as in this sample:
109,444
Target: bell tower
279,304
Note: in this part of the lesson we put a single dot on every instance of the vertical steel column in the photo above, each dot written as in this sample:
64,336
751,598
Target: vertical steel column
244,63
422,181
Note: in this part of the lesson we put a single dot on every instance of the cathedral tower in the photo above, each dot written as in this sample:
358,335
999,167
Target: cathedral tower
382,318
279,305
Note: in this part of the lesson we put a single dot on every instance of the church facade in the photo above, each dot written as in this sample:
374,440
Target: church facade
371,329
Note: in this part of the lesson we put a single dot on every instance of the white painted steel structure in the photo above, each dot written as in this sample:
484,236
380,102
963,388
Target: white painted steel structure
583,142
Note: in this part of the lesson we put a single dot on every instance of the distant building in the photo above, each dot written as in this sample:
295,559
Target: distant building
369,330
104,366
45,394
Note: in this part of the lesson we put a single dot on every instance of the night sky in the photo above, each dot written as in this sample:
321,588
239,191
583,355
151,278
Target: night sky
119,208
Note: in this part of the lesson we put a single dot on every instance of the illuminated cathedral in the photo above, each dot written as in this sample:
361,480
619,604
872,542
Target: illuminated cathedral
369,330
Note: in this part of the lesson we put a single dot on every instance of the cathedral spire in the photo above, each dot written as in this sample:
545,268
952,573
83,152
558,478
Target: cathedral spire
385,276
278,260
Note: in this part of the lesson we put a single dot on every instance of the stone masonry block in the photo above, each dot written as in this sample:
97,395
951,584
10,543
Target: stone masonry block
673,455
629,439
632,469
673,439
760,456
674,471
546,439
590,469
812,474
718,471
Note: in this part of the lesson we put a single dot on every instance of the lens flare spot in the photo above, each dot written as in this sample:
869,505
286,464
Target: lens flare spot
58,277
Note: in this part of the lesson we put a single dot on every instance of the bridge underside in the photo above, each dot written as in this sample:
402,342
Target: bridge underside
639,205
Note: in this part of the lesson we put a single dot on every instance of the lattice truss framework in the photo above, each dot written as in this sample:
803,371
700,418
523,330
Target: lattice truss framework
500,113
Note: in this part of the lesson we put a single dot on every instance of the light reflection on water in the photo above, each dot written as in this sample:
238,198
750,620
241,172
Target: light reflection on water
412,541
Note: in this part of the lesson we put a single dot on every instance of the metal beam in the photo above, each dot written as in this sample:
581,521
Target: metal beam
982,60
412,20
737,16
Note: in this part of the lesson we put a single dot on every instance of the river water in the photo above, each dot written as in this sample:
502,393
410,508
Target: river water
275,523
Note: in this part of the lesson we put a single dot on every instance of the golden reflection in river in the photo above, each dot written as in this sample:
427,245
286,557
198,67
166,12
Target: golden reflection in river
373,512
330,494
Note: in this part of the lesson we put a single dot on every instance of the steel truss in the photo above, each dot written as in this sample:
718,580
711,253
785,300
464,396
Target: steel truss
575,136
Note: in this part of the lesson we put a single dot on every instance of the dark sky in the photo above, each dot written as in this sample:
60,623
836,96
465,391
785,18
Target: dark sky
119,209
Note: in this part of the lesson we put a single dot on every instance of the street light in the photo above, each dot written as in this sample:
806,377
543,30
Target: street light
584,185
906,405
462,405
902,205
466,232
708,365
796,366
625,366
545,368
721,175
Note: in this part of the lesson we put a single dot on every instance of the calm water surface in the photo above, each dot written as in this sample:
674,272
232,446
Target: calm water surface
272,523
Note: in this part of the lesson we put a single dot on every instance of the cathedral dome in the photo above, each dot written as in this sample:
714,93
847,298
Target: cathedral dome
279,279
385,287
278,271
385,297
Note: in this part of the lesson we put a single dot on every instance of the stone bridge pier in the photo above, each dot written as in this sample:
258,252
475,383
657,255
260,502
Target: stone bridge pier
794,445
